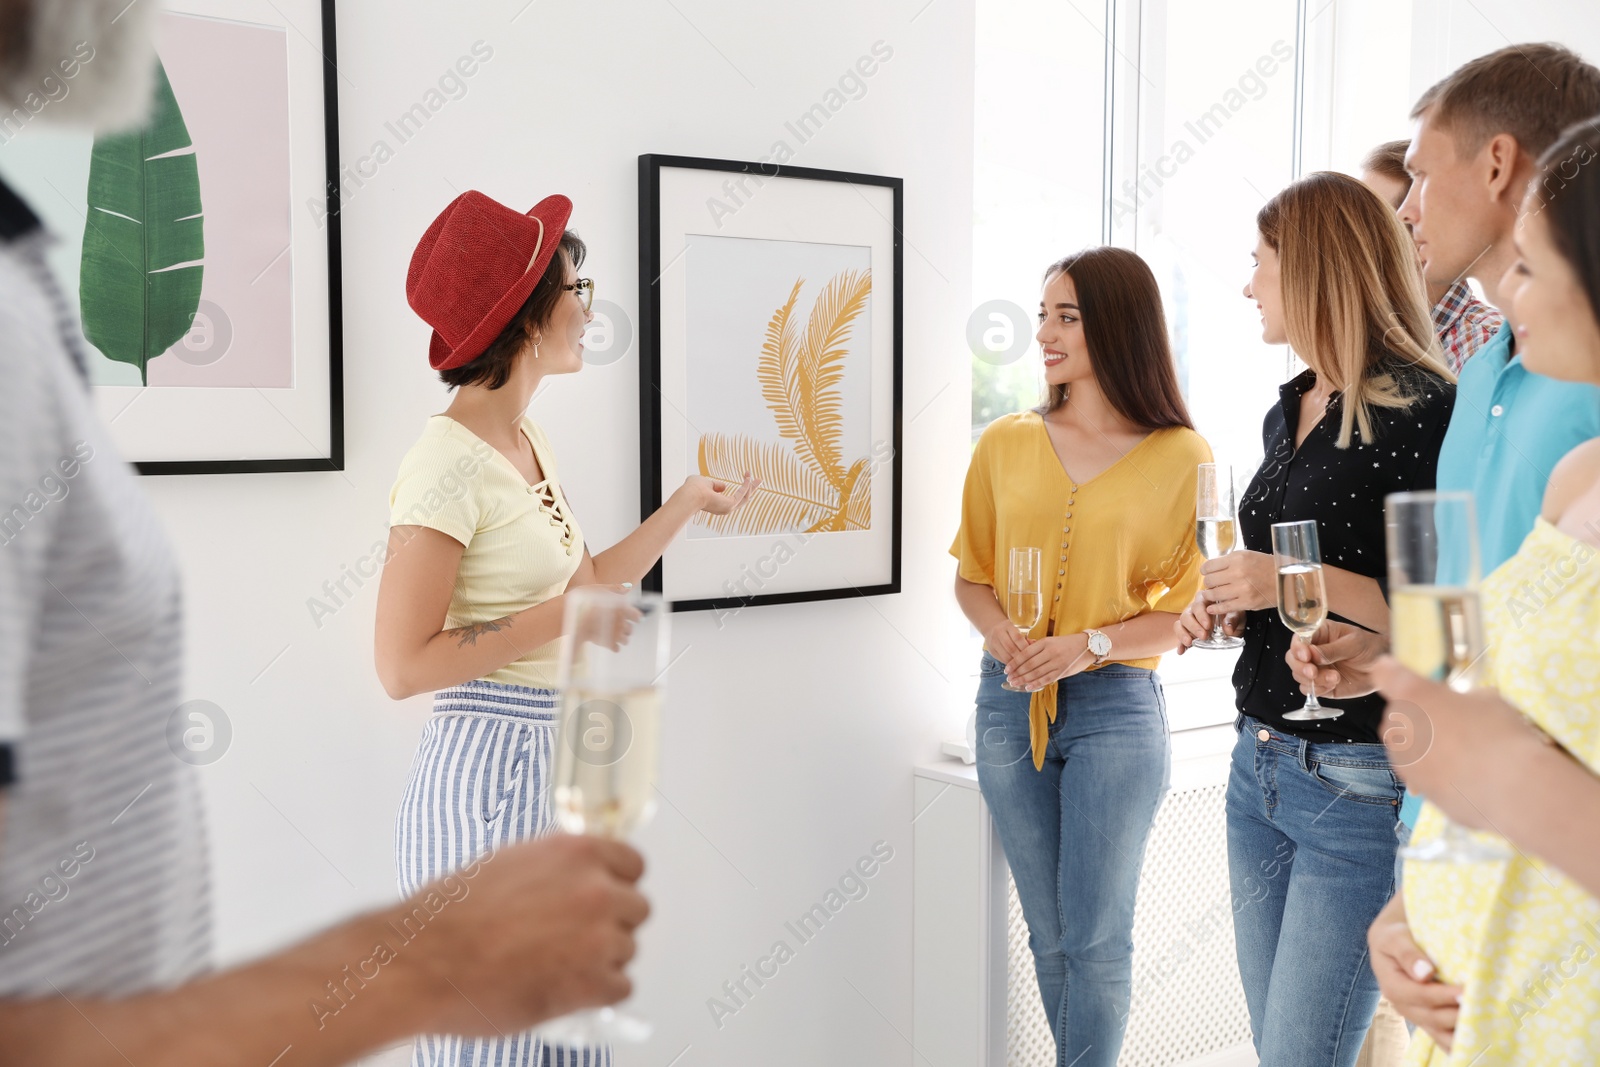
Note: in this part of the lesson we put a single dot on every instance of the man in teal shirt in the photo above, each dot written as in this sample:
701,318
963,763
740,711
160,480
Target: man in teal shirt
1478,136
1479,133
1509,430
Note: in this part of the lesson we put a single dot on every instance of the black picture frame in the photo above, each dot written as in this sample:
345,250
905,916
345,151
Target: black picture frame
651,270
334,461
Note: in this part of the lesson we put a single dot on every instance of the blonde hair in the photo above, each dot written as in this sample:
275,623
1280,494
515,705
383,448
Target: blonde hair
1352,294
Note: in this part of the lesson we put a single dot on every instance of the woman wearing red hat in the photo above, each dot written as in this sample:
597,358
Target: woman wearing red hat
482,544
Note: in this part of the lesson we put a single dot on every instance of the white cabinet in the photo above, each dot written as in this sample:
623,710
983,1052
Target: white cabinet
958,913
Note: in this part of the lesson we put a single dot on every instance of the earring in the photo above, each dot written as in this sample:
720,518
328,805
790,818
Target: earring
536,343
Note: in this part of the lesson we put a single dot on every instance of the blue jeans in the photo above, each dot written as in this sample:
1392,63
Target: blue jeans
1311,844
1074,836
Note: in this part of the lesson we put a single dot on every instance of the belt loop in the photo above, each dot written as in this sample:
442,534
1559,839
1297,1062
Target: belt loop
1304,754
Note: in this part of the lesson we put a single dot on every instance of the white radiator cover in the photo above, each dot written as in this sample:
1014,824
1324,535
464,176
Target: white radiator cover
1187,1000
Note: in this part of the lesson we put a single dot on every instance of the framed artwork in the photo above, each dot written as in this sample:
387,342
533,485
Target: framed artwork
202,251
770,307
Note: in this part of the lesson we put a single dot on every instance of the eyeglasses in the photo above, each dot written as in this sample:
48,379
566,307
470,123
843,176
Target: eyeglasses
584,288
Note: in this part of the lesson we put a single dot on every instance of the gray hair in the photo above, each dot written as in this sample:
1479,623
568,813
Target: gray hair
80,62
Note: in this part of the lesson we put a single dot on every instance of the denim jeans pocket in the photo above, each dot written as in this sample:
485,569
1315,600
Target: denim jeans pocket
988,666
1367,783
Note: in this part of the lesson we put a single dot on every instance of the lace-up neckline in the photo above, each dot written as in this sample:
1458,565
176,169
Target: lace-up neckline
544,491
554,508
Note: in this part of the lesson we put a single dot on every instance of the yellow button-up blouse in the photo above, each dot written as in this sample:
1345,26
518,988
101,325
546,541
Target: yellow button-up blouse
1122,542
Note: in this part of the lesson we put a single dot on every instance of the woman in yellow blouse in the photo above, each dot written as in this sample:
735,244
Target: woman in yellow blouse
1518,941
1101,479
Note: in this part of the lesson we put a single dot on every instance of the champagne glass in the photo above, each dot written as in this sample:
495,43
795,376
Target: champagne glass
614,654
1435,622
1215,513
1302,597
1024,595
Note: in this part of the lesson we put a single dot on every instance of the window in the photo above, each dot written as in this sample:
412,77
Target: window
1216,139
1037,180
1160,125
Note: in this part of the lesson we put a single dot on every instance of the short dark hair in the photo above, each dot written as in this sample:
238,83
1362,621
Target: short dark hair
1126,331
1569,188
1389,160
1531,91
492,367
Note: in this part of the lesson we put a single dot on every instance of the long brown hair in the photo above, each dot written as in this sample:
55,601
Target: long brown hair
1126,332
1352,294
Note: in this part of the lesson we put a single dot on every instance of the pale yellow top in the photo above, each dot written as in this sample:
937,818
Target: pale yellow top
1520,937
1116,546
522,544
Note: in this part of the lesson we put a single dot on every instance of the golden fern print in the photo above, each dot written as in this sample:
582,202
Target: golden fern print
808,487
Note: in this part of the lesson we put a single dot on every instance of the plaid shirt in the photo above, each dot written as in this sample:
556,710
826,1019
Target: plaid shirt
1464,324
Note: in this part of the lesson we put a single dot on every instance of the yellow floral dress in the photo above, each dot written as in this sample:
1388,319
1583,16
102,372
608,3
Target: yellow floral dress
1520,937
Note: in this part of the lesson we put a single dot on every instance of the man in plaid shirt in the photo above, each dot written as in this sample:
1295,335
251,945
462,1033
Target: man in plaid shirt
1463,322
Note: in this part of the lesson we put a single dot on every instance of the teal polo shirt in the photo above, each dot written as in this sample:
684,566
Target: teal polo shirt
1509,429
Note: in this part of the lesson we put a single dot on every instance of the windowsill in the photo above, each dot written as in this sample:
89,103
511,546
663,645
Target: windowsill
1199,688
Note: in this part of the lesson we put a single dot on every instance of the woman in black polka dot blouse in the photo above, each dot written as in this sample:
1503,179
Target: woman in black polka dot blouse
1312,806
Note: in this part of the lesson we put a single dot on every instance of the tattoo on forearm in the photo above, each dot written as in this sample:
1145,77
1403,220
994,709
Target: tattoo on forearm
468,635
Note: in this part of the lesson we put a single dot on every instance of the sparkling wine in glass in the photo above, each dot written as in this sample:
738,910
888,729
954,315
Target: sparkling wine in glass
1435,623
1302,597
607,747
1024,595
1215,522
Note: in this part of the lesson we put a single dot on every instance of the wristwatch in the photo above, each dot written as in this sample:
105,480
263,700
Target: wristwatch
1099,644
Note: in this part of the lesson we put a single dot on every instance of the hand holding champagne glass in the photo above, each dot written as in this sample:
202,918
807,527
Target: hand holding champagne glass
1302,596
615,652
1435,624
1024,595
1215,515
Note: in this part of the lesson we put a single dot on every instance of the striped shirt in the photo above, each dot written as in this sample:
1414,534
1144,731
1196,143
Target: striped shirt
104,879
1463,323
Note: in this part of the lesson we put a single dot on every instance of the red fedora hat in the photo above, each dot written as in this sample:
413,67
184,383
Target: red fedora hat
475,266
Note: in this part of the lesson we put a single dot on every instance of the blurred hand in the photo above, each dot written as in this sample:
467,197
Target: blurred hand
1196,621
1339,660
534,931
1453,747
1240,581
716,497
610,629
1406,975
1050,659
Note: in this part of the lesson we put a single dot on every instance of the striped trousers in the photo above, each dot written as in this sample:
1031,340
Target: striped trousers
481,780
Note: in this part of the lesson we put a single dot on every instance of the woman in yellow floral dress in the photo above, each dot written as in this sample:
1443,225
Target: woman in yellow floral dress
1520,938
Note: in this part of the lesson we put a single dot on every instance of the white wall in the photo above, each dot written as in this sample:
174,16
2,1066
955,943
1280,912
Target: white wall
1371,72
1447,33
1378,56
793,729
